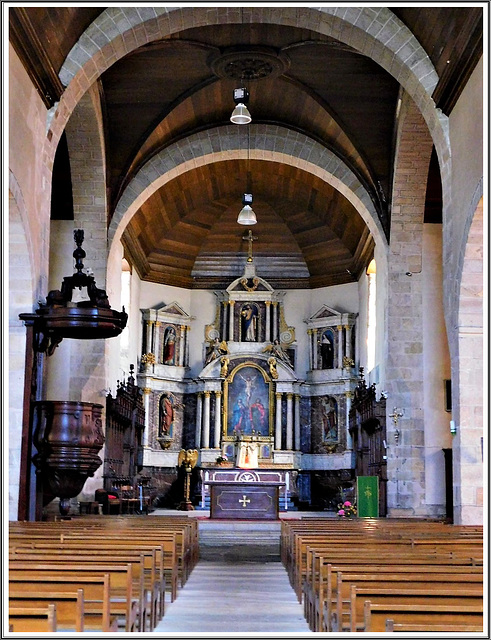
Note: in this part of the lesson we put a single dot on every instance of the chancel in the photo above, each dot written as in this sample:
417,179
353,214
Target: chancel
234,328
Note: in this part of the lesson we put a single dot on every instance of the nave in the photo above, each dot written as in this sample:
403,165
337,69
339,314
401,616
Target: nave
235,598
179,574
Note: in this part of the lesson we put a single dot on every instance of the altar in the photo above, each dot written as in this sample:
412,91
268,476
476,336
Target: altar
244,500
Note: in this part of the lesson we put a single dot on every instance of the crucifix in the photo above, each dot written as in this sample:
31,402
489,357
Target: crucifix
250,239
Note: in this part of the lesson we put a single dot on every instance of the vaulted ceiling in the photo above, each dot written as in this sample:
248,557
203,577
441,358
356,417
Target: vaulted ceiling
308,234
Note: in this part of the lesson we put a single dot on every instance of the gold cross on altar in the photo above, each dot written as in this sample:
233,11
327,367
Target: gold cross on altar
250,239
245,500
368,493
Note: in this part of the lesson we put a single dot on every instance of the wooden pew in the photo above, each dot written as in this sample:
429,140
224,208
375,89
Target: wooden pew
123,601
452,597
69,605
426,615
92,612
391,626
153,588
30,620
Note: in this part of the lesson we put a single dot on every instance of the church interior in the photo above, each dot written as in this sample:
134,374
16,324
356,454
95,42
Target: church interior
246,249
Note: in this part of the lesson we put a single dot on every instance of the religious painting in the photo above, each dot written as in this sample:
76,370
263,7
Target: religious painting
169,353
166,416
329,418
249,316
248,402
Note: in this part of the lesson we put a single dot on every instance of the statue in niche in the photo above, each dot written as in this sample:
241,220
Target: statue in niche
216,350
327,350
329,416
169,346
249,323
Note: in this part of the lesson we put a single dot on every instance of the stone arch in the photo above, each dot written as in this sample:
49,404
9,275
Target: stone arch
21,297
468,377
269,143
375,32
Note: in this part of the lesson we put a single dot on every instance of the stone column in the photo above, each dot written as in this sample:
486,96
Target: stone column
289,421
150,337
349,439
297,422
340,346
218,418
314,349
224,320
277,439
311,349
347,328
182,340
275,320
156,341
199,417
146,405
186,350
268,321
206,421
231,320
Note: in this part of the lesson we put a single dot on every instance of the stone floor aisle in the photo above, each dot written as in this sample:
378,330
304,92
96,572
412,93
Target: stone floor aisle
235,598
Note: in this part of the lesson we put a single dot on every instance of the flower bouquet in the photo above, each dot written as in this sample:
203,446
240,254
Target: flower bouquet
346,510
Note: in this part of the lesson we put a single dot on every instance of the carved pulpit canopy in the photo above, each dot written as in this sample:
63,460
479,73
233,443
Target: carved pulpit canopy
90,319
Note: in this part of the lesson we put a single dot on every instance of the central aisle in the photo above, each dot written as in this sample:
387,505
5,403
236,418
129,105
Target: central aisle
248,597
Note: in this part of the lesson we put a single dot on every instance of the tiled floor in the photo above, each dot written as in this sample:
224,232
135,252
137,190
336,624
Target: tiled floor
245,598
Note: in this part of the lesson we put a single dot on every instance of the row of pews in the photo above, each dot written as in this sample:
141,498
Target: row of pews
97,573
382,575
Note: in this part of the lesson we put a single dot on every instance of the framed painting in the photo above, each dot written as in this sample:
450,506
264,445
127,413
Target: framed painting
248,403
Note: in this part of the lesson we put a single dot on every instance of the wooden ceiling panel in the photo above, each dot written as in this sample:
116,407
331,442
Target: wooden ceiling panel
325,90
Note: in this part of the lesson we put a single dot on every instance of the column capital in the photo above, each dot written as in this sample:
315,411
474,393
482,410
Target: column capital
207,394
278,394
349,394
231,302
275,303
297,396
146,391
188,328
267,303
339,327
289,395
218,393
157,323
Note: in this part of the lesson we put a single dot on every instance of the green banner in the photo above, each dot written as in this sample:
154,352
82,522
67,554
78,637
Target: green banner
367,496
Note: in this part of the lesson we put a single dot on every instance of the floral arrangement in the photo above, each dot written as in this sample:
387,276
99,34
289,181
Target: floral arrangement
346,510
221,458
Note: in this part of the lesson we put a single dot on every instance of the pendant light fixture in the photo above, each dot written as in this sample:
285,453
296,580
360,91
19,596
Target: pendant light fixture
241,115
246,214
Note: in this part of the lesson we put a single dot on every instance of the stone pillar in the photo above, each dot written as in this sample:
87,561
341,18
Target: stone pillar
156,341
349,439
347,328
340,346
186,350
182,339
150,339
206,421
146,405
277,439
289,421
268,321
275,320
224,320
311,349
199,417
314,349
297,422
218,419
406,462
231,320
